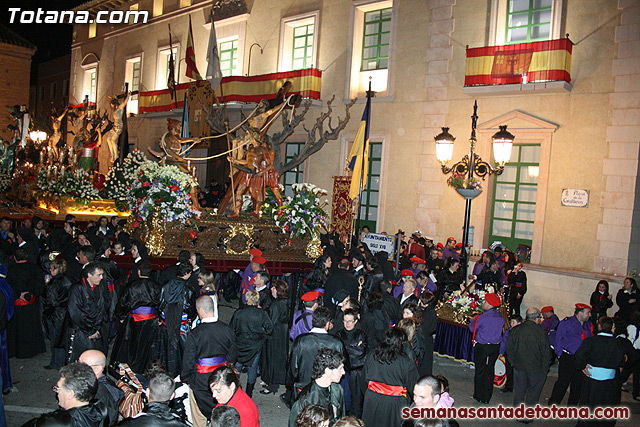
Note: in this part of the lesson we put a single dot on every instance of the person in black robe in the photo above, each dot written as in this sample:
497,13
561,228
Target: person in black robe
390,306
252,326
324,390
210,345
355,342
340,279
449,278
391,376
261,283
274,356
137,321
26,239
7,292
599,358
305,348
177,304
600,301
139,254
517,283
171,271
54,303
375,321
111,270
426,331
24,333
89,313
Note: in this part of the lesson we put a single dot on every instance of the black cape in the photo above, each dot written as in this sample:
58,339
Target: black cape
24,332
206,340
251,326
89,312
304,351
274,357
134,340
331,398
382,410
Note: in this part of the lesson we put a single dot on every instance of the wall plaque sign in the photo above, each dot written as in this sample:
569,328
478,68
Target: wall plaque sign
574,197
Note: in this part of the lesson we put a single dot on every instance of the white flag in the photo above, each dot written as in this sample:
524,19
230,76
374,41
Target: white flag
214,74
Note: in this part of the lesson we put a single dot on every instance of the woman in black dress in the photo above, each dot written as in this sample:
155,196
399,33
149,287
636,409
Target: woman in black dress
390,375
274,356
600,302
427,330
627,299
375,321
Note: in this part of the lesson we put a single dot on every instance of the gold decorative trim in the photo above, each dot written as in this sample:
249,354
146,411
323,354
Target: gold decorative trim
233,241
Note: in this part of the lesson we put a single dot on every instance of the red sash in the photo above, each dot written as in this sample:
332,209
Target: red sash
387,390
141,317
22,302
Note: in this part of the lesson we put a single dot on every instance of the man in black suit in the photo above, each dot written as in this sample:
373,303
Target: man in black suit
341,279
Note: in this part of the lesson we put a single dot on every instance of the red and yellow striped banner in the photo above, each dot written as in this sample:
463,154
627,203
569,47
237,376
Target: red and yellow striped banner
307,83
519,63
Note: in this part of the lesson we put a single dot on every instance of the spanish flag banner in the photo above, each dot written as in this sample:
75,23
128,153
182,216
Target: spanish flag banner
519,63
307,83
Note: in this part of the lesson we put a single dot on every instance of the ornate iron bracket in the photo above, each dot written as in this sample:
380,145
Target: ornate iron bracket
480,167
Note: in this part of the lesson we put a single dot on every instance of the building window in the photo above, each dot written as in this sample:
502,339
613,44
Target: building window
228,57
296,175
90,82
163,66
298,49
371,53
158,7
514,198
133,7
528,21
521,21
65,88
185,3
375,41
133,68
371,193
302,47
93,28
54,89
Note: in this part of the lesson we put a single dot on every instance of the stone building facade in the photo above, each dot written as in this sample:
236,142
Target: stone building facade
580,135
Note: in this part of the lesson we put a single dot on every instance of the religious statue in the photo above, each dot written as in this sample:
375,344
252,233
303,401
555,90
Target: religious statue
256,171
116,117
173,151
80,133
56,123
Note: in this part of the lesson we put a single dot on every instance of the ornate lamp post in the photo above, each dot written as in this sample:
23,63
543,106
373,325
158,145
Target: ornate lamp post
471,164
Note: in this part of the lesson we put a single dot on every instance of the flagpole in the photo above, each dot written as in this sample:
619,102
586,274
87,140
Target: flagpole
356,233
172,67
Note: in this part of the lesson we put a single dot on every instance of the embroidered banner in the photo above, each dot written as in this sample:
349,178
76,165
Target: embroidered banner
519,63
342,208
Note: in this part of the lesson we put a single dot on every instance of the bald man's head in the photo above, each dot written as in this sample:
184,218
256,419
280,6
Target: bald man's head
96,360
205,307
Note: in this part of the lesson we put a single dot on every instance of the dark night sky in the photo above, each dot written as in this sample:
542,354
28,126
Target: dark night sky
52,40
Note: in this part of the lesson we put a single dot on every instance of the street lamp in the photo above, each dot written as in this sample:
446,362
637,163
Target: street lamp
471,164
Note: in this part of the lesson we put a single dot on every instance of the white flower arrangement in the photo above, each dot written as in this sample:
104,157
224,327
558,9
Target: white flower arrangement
75,184
468,304
162,189
300,215
121,176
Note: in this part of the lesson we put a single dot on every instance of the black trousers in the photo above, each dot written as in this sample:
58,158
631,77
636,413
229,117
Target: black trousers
568,375
508,385
485,359
528,386
356,383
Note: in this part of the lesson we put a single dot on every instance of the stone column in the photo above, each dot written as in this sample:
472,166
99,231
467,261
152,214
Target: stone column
436,107
619,231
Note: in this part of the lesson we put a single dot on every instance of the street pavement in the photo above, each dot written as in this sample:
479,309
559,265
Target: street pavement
34,396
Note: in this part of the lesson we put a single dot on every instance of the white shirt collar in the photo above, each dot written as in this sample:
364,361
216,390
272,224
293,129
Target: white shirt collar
137,259
208,320
318,331
358,268
261,288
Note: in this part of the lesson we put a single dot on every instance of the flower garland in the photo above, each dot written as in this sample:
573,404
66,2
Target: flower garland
470,304
300,215
163,189
76,184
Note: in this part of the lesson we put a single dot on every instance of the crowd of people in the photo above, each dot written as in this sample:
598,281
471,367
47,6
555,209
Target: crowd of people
351,342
